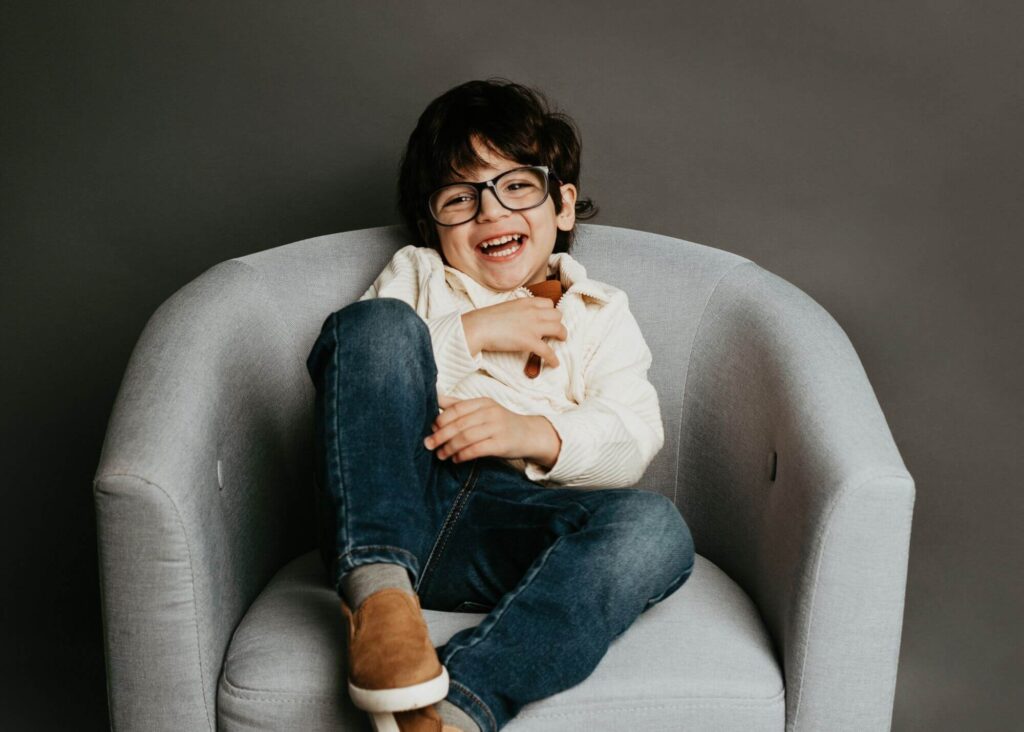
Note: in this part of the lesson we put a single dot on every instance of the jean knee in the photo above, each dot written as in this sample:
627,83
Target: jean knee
662,532
683,550
377,314
664,536
364,324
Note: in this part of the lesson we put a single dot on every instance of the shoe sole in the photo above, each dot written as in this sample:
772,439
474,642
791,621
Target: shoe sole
383,722
400,699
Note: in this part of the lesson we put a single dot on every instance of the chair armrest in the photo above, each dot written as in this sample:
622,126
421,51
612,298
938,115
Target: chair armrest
200,493
793,485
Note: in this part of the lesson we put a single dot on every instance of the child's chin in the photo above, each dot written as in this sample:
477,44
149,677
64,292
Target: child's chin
505,281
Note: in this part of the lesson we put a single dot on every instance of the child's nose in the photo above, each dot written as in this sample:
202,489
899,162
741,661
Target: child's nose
490,206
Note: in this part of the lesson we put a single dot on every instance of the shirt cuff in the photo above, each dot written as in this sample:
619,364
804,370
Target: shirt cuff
573,458
451,351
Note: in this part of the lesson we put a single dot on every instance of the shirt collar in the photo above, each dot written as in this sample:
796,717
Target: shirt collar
571,273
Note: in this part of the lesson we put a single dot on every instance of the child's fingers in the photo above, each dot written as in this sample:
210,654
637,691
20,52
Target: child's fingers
556,328
452,435
467,445
470,414
444,430
547,353
459,408
482,448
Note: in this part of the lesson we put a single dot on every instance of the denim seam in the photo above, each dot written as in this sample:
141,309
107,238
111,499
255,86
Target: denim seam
659,598
445,528
512,596
337,442
368,547
508,600
584,508
467,489
476,700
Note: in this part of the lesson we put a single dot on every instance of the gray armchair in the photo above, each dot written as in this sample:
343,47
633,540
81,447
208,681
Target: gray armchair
218,614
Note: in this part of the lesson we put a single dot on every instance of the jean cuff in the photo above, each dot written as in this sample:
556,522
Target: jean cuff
472,705
375,554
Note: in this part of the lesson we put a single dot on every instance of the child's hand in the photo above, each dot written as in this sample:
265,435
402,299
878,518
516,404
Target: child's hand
472,428
516,325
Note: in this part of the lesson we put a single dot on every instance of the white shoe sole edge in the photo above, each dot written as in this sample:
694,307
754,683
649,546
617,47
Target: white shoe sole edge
400,700
383,722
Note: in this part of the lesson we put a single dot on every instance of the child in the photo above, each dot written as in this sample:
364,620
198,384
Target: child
451,477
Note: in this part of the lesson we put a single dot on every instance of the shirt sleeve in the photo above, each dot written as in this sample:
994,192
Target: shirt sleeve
609,440
406,278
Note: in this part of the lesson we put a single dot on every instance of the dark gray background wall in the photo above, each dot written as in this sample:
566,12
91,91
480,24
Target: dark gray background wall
869,153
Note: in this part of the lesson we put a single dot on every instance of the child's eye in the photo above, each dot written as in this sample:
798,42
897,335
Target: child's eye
458,200
520,185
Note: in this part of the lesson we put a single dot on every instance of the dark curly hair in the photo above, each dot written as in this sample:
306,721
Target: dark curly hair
512,120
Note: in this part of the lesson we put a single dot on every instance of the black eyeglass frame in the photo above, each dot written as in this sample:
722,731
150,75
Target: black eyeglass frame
484,184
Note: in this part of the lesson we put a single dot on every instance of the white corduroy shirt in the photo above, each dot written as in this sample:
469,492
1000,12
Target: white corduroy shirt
598,399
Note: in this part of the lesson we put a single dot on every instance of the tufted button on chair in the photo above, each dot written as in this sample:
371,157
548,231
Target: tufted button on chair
218,613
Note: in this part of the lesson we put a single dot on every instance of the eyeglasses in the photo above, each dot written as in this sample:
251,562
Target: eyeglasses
517,190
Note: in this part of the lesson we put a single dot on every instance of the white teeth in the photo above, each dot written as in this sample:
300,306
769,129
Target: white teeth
506,253
502,240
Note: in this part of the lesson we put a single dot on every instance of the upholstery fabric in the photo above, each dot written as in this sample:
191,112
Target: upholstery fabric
776,452
283,672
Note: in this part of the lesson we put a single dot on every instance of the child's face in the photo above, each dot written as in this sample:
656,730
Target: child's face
540,225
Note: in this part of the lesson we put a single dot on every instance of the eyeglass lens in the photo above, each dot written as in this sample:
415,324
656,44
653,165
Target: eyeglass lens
516,190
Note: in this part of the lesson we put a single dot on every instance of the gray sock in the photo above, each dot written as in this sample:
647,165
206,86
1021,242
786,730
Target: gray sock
362,581
451,714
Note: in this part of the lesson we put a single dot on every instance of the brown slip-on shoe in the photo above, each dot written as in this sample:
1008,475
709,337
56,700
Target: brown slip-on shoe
426,719
392,663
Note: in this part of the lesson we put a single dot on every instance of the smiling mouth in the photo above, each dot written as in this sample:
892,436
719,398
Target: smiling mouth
501,252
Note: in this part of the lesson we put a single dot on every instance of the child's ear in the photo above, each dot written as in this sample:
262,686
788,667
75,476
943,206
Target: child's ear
567,218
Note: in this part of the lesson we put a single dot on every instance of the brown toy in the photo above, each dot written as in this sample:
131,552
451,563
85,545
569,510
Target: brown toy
551,289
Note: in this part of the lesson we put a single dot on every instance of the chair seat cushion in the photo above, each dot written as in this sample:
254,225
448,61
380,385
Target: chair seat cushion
700,659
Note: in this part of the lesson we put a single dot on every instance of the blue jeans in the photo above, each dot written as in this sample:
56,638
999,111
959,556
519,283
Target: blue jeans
561,572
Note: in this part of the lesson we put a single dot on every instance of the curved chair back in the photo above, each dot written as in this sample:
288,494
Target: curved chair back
204,486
